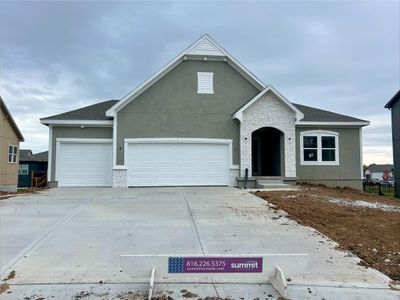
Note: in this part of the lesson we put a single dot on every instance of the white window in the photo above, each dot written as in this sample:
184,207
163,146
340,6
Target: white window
205,83
319,147
12,154
23,169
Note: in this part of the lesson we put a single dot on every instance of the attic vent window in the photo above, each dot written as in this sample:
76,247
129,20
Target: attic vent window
205,83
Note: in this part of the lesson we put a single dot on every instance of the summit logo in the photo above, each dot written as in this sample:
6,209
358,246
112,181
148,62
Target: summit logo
245,265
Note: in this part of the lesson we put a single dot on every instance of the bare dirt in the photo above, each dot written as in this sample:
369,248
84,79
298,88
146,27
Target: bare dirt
364,224
6,195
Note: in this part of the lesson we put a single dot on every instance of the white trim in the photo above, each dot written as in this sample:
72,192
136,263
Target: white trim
120,167
319,133
50,153
82,140
361,153
106,123
20,167
183,141
16,155
239,114
114,140
170,65
323,123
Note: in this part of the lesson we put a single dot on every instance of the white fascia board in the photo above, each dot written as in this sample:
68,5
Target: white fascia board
321,123
83,140
239,114
105,123
170,65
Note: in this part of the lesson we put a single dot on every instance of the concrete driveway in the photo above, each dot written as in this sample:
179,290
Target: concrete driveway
66,243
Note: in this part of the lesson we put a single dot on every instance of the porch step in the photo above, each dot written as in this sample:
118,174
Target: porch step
273,184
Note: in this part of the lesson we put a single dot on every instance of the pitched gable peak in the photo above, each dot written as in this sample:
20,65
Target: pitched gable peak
206,46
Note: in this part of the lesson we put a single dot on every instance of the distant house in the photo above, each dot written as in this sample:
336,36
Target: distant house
10,137
30,166
379,172
394,106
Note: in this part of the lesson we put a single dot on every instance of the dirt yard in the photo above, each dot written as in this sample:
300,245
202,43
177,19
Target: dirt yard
365,224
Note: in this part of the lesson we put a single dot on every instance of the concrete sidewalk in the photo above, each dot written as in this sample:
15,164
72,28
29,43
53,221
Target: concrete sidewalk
63,242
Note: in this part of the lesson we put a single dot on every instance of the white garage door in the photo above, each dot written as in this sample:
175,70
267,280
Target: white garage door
84,164
177,164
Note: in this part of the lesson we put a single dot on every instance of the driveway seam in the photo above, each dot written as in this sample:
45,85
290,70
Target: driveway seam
196,227
28,250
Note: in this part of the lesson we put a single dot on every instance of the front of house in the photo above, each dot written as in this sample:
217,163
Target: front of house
203,120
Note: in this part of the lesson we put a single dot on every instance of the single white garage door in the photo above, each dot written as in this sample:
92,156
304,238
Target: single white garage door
177,164
84,164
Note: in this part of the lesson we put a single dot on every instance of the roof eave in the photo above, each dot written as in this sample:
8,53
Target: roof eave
12,122
103,123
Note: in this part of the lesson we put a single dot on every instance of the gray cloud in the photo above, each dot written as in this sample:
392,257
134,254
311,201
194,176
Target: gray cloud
340,56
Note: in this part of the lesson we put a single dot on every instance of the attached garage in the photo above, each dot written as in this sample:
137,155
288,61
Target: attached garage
84,162
177,162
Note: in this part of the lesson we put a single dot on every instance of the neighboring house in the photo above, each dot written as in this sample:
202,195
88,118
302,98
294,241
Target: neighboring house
379,172
10,137
31,165
203,119
394,106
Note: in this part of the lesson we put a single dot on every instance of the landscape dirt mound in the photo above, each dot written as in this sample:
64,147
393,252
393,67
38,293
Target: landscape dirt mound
364,224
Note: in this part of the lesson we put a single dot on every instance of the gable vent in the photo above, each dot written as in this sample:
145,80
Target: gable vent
206,48
205,83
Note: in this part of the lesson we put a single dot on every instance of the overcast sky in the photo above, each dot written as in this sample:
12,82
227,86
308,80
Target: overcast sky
339,56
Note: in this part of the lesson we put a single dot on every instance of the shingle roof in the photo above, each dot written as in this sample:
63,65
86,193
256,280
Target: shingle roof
312,114
98,112
395,98
380,168
92,112
27,156
11,120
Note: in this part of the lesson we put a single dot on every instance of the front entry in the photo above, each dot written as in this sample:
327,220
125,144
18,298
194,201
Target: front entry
267,152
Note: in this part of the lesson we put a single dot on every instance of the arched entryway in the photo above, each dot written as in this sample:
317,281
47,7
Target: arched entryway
267,152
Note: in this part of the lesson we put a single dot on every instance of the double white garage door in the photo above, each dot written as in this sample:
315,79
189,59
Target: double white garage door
171,163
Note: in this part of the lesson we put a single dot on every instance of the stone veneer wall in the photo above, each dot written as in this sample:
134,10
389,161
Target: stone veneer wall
268,111
119,178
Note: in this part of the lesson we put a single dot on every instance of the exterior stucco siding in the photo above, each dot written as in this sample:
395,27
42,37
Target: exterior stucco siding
75,132
349,168
8,171
268,111
396,144
172,107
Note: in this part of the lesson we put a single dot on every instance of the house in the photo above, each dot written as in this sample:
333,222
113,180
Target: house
379,172
31,166
394,106
10,137
203,120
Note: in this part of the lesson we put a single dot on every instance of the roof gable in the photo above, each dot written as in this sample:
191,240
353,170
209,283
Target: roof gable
205,46
11,120
239,114
393,100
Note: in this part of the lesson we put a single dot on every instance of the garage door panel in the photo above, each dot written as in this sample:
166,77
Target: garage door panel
175,164
84,164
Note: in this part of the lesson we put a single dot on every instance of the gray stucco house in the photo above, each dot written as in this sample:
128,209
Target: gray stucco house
203,119
394,106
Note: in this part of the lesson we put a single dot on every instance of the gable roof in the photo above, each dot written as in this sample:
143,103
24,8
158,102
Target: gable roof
239,114
205,46
393,100
94,112
312,114
27,156
380,168
11,120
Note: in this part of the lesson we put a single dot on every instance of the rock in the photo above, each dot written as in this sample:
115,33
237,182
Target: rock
387,260
374,251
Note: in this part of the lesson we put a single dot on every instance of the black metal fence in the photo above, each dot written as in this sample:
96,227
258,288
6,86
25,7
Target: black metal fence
378,187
